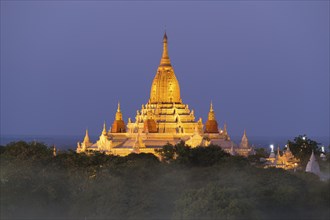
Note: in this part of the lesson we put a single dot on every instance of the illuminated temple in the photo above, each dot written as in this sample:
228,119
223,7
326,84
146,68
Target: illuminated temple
164,119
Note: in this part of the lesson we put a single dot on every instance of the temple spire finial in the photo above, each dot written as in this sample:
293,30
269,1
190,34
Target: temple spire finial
118,108
165,61
211,115
165,36
119,115
104,131
86,138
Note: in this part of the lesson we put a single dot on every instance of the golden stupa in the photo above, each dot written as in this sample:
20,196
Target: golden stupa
164,119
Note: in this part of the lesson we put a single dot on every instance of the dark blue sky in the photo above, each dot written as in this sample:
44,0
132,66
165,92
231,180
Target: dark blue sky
265,65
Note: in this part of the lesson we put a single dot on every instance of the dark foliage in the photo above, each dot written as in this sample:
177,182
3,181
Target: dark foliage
302,148
201,183
199,156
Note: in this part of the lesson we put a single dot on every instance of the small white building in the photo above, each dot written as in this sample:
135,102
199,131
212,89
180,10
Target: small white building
313,166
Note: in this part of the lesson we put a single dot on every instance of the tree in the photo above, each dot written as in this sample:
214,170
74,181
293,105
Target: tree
214,202
22,150
198,156
182,152
209,185
207,156
167,152
259,153
302,147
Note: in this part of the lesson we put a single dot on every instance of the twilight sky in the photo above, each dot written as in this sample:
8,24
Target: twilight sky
265,65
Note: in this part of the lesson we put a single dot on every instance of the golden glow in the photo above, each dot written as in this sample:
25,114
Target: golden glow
211,125
165,61
286,161
164,119
211,113
86,139
165,86
104,131
119,115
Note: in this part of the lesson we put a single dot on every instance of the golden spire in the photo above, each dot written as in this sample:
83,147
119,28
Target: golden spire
86,139
165,61
244,141
211,113
165,87
245,138
119,115
211,125
118,108
278,151
287,148
104,132
225,132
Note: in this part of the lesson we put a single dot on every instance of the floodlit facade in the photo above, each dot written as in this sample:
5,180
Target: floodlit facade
286,161
163,119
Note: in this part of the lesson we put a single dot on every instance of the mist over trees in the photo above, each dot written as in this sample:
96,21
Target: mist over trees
198,183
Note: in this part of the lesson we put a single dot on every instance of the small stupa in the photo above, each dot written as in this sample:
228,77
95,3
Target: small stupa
323,156
272,153
312,165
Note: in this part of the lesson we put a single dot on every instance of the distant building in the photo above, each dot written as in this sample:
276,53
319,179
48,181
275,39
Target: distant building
164,119
286,161
322,155
313,166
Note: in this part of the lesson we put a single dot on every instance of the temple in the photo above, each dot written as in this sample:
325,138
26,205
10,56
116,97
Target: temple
313,166
163,119
285,161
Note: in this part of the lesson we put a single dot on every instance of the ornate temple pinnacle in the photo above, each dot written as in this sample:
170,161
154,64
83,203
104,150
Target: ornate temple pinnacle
118,107
211,125
104,129
119,115
165,37
211,115
165,61
86,139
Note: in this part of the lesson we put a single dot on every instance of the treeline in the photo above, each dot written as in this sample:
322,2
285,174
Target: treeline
199,183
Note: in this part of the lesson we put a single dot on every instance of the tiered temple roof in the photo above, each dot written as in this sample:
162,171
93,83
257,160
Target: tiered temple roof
163,119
